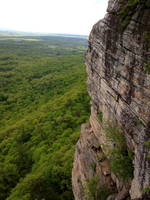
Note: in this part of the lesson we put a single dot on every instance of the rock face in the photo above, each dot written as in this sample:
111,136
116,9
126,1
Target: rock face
118,71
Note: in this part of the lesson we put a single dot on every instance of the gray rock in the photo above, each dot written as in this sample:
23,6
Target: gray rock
119,87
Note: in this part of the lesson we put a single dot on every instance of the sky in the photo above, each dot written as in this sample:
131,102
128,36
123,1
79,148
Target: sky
51,16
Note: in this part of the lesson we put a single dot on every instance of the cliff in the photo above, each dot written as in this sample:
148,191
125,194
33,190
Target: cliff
112,158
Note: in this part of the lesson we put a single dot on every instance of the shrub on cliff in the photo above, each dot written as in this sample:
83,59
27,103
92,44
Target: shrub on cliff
121,156
94,190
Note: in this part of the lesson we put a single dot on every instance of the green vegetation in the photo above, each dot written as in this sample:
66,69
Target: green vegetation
147,37
93,166
148,143
139,122
100,116
95,191
101,157
128,10
121,156
43,101
147,67
146,190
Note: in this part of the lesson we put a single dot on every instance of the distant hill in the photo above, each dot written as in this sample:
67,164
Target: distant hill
13,32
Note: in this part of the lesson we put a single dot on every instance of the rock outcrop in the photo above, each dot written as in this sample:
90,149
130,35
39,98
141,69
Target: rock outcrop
118,69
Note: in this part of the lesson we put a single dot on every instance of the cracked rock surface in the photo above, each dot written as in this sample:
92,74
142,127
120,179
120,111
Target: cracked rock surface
119,86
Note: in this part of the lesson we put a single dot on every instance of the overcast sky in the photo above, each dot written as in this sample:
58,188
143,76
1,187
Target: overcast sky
52,16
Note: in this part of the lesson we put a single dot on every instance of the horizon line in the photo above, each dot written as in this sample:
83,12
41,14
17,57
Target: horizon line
39,33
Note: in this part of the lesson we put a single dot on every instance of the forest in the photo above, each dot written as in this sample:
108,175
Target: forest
43,102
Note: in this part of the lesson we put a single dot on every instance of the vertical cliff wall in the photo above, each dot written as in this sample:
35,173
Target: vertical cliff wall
112,155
